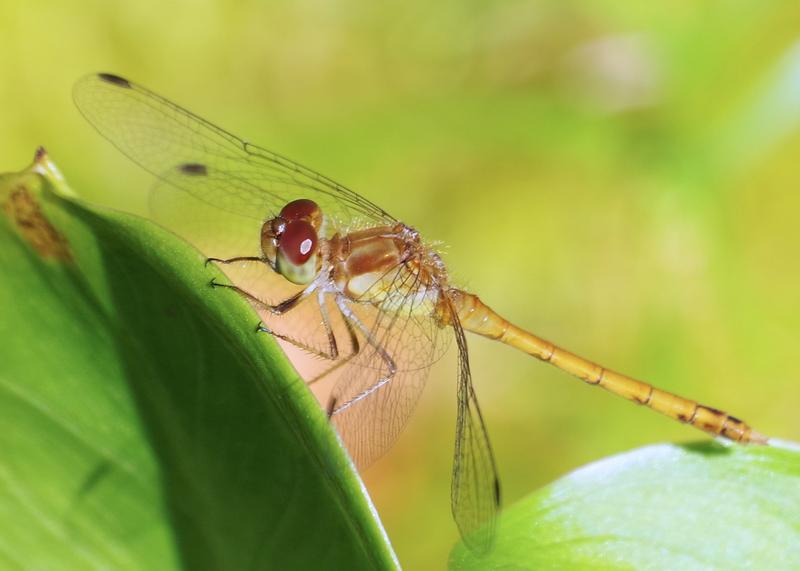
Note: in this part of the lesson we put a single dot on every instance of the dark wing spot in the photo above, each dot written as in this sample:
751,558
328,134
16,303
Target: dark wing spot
115,79
193,169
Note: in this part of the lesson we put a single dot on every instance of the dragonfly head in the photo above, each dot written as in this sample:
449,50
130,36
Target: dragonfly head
290,241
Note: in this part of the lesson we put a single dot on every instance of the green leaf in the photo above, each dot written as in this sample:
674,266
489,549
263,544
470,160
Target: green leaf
143,422
697,506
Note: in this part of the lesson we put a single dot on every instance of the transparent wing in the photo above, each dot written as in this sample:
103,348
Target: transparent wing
206,161
399,324
475,492
370,427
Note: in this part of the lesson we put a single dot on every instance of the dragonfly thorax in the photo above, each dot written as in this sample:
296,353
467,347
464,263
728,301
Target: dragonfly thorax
387,266
290,241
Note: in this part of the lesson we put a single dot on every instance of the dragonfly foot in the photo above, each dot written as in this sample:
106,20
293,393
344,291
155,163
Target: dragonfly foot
261,328
215,284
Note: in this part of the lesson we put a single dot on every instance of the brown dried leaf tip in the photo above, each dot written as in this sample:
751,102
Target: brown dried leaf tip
26,214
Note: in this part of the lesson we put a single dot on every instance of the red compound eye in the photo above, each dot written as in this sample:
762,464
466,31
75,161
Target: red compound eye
298,241
301,209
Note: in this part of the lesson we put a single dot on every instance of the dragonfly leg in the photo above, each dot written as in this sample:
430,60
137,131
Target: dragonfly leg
237,259
332,354
355,349
333,406
277,309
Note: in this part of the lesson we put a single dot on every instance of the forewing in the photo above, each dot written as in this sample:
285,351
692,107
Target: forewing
231,174
475,493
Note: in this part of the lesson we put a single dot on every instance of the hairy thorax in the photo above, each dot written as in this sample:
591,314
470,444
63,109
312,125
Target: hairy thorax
387,266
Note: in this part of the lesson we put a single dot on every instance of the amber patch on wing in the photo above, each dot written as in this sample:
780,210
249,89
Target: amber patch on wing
26,213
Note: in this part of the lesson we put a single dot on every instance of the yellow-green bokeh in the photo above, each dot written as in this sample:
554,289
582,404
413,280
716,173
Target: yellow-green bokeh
621,178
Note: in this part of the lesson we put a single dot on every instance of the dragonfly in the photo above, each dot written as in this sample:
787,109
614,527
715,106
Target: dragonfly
339,278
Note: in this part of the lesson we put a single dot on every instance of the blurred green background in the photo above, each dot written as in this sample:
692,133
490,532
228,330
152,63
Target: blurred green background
620,178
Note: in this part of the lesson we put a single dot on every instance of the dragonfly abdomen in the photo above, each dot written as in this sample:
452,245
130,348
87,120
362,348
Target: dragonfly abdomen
477,317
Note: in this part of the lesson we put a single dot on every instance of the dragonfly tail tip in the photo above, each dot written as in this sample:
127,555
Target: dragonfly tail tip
758,438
